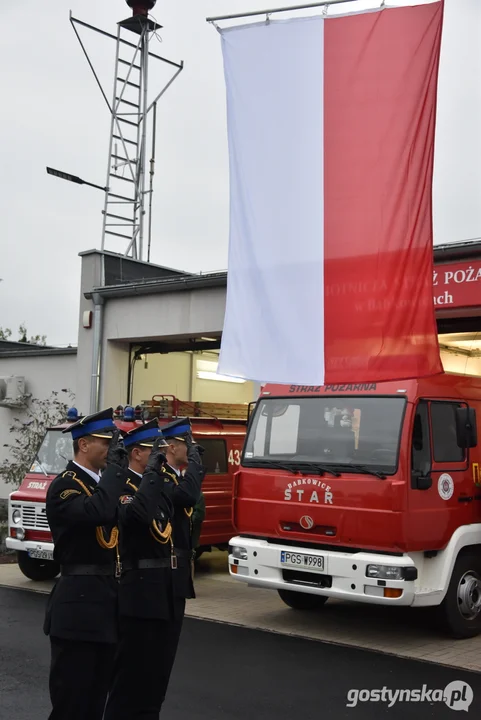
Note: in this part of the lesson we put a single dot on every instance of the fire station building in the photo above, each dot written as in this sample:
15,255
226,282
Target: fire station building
148,330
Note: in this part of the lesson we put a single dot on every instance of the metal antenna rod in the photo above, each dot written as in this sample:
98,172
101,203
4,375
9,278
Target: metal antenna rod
143,142
152,170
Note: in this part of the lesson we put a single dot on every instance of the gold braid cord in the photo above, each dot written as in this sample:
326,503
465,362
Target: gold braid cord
114,537
188,511
159,536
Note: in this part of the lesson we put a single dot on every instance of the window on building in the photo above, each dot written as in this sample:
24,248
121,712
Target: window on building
443,420
215,455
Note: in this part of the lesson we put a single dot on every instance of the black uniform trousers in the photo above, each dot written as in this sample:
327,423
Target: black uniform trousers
80,675
143,665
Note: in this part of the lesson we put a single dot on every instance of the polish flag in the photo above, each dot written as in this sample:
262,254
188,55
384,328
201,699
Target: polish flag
331,125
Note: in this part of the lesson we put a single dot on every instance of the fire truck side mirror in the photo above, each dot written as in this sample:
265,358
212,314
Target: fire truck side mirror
466,429
421,481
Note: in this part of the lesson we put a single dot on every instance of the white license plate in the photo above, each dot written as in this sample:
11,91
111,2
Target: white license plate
301,560
38,554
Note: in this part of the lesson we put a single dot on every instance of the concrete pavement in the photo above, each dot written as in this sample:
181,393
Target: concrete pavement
231,673
408,633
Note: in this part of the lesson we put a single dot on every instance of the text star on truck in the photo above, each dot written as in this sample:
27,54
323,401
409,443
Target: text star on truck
219,428
364,492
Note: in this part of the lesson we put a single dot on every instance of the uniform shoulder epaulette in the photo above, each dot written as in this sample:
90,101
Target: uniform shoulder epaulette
69,473
169,476
66,493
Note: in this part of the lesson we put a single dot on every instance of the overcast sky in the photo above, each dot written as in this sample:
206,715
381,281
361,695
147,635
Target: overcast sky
53,114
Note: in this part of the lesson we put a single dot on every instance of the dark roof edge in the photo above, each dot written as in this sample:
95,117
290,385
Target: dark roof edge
458,251
13,345
175,283
160,285
37,353
132,260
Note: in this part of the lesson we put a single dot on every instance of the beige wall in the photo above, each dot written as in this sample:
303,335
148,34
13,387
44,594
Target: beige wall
114,374
216,391
213,391
165,374
175,374
461,364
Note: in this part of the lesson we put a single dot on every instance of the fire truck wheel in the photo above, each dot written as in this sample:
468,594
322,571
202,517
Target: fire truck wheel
37,569
461,608
302,601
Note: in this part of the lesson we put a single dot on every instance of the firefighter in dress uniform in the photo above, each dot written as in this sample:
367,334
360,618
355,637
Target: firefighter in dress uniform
156,552
82,617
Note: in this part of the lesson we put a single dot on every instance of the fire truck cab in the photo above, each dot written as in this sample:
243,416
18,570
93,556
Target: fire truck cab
368,493
222,437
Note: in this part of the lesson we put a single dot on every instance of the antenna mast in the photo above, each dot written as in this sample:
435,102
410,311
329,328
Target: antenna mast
125,196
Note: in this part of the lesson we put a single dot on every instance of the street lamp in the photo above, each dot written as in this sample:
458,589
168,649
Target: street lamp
73,178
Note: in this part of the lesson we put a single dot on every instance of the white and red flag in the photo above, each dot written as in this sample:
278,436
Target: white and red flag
331,127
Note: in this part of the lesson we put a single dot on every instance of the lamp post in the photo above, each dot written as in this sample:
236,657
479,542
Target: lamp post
73,178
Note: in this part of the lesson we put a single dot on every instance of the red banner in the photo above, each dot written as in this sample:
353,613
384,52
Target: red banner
380,91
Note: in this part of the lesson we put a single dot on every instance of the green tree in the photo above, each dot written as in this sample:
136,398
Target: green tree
6,334
29,432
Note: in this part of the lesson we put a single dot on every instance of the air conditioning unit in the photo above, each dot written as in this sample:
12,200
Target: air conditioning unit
12,391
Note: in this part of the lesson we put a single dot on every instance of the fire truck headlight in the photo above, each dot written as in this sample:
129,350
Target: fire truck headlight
385,572
239,553
16,516
20,534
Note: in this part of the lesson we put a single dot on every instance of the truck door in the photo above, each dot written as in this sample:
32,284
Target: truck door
440,496
217,488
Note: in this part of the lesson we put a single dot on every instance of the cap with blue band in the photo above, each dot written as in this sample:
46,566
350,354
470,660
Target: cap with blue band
177,429
100,424
144,435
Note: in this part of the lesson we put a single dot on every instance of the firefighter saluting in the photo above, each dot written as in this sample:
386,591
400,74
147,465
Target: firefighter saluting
155,545
81,617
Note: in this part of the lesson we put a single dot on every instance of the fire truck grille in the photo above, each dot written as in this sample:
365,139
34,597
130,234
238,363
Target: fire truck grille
34,517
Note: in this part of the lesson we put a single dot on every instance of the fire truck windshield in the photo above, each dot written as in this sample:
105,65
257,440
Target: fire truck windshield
362,432
54,453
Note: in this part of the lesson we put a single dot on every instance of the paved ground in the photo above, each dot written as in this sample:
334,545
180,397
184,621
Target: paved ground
403,632
230,673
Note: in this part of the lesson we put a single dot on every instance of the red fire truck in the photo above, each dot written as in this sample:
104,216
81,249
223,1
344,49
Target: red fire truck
220,429
364,492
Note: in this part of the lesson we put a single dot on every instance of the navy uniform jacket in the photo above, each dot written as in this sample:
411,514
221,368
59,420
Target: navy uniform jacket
145,514
83,607
184,500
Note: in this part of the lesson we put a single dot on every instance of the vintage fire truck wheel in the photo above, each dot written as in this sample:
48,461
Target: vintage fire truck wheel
302,601
37,569
461,608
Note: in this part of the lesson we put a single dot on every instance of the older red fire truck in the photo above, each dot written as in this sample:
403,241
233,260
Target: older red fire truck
220,429
364,492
